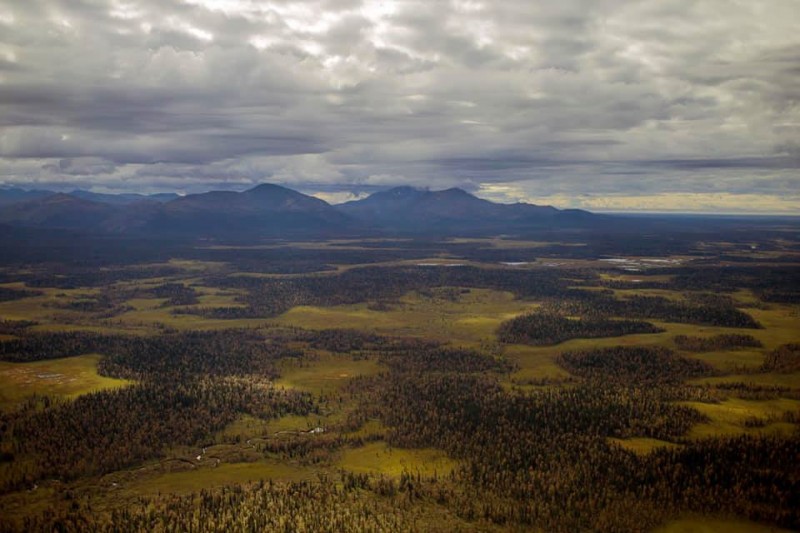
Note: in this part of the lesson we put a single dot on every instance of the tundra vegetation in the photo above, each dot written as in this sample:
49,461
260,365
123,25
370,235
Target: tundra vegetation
485,384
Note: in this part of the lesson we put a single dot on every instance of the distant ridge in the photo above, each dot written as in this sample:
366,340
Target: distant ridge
410,209
124,198
59,210
271,210
14,195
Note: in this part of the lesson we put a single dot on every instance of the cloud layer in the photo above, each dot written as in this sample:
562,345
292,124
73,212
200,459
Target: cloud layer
593,103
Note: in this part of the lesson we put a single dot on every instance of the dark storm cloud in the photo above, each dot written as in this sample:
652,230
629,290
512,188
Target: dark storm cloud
498,163
788,163
514,99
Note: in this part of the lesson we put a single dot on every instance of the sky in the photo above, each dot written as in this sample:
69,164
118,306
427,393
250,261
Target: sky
659,105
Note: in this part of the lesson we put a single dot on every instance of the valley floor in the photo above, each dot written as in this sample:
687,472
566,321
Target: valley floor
462,385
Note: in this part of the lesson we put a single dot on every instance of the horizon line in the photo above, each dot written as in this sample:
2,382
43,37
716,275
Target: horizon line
633,212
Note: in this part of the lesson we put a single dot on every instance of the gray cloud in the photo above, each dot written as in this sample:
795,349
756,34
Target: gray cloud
529,100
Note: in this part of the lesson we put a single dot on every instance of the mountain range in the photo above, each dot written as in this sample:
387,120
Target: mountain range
406,208
274,211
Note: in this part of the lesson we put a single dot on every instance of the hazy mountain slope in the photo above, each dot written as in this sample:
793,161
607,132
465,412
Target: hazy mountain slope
58,211
15,195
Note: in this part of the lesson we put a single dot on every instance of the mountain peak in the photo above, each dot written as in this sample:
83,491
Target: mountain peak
266,209
403,190
454,209
269,188
456,194
456,191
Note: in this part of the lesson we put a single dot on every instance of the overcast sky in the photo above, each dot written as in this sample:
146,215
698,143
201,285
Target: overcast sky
656,105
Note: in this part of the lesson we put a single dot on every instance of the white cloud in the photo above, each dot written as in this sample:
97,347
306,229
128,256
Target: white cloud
724,203
339,197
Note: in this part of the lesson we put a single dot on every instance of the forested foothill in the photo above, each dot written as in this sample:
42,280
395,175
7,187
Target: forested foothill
633,364
550,328
576,380
785,358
